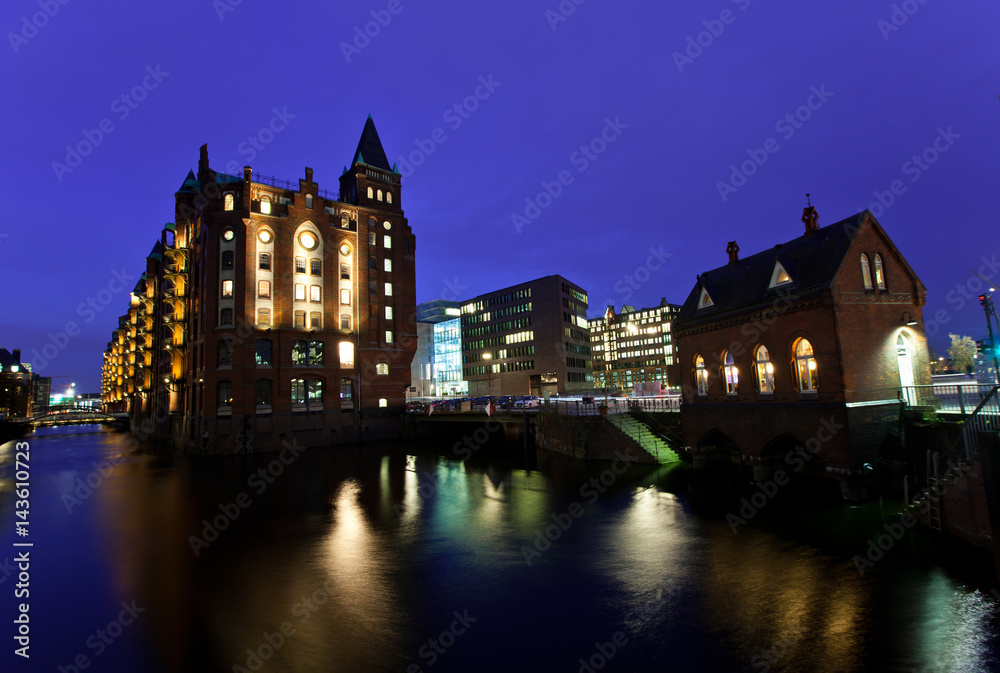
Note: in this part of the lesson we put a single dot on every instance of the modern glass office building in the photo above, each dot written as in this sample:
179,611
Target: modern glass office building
448,358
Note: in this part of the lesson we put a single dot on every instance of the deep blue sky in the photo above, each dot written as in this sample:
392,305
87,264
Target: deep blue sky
655,185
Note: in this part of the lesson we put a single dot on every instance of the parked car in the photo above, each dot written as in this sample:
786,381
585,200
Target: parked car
527,402
413,407
479,403
505,402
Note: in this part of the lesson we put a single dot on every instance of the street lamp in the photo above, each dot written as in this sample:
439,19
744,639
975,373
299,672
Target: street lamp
489,372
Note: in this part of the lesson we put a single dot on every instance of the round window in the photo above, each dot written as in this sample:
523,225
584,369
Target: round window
265,236
387,224
345,249
308,240
228,235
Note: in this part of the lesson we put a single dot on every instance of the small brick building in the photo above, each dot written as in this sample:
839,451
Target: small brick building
810,344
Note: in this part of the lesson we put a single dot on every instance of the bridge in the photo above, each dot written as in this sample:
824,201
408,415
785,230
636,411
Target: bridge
73,416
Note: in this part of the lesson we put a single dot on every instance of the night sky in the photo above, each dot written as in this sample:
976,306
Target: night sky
642,123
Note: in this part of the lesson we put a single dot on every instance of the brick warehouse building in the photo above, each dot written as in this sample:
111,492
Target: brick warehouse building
809,343
270,310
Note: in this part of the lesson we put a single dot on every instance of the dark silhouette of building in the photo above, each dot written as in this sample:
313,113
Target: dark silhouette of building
271,310
16,391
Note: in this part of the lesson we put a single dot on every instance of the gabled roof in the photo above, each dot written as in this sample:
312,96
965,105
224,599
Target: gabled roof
812,260
370,151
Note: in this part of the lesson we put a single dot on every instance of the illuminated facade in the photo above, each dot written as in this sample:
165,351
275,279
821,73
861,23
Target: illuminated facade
437,366
530,338
814,342
633,350
271,310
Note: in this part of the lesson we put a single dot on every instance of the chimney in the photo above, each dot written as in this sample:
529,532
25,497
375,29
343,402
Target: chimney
734,252
809,216
17,355
309,174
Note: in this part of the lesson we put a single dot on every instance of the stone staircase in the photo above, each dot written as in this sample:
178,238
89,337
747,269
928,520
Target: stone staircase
640,433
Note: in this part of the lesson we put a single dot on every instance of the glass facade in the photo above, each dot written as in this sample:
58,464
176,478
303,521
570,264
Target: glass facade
448,358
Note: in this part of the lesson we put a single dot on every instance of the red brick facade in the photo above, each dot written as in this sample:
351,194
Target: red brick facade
854,335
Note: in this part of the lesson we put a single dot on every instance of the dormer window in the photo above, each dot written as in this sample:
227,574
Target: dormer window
309,200
879,275
779,276
706,300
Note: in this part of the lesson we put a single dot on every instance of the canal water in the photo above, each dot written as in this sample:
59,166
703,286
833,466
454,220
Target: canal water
407,558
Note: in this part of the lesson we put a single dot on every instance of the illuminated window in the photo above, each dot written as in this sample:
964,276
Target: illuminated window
372,238
345,321
225,393
805,365
228,258
264,289
865,272
226,317
388,289
300,265
345,221
227,288
309,200
387,225
380,195
316,320
765,371
382,402
263,317
300,292
229,202
388,313
371,193
307,353
298,391
300,319
879,276
265,261
314,294
730,373
388,337
387,241
388,197
345,250
779,276
387,264
705,300
346,354
308,240
228,235
315,267
314,390
265,205
382,369
345,297
345,271
346,390
265,236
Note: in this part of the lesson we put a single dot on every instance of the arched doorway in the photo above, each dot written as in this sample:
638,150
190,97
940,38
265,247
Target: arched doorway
904,362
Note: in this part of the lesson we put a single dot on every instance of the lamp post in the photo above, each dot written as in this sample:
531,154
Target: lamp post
489,372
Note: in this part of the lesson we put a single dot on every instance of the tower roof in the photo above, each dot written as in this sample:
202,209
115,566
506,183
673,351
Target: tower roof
370,151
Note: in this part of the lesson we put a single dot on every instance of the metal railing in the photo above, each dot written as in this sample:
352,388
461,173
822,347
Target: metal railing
950,397
284,184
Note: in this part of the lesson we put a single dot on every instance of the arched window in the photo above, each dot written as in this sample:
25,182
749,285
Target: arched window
382,402
229,202
879,275
371,193
866,272
805,365
382,369
388,197
309,200
765,371
265,205
730,374
700,375
380,195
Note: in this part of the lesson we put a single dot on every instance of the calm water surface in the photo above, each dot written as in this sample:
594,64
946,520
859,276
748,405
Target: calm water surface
400,558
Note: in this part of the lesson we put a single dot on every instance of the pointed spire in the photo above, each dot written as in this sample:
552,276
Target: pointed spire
370,146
